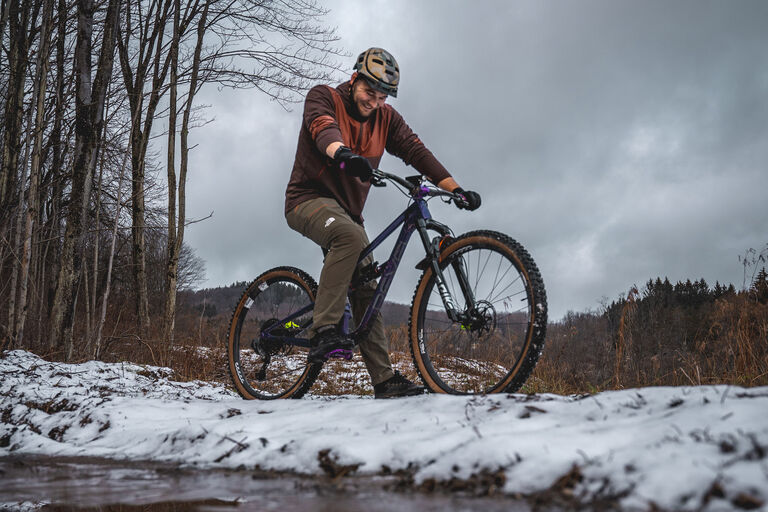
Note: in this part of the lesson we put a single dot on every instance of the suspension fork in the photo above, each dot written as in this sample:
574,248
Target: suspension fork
432,247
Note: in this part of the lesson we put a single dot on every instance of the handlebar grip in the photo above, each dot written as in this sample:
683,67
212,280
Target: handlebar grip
460,202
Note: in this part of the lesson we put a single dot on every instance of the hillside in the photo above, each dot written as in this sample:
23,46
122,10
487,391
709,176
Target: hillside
219,302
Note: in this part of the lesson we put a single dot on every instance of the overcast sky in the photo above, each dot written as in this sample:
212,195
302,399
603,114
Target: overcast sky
617,141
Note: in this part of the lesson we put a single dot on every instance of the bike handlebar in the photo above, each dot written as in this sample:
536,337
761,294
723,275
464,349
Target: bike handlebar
415,188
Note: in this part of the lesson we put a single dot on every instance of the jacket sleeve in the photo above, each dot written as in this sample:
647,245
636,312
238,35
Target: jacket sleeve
320,117
406,145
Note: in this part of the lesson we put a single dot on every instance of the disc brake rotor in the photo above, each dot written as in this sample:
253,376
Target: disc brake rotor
481,320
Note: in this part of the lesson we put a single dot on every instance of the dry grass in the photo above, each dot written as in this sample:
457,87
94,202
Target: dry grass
729,345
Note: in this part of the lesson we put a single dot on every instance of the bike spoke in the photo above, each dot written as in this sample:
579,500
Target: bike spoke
481,272
495,278
278,375
495,299
501,278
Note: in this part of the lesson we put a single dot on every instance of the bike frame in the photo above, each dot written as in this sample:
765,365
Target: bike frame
416,217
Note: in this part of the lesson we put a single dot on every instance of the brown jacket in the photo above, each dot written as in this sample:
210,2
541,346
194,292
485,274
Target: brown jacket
330,116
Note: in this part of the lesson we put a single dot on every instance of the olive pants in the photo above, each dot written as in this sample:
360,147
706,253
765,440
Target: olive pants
326,223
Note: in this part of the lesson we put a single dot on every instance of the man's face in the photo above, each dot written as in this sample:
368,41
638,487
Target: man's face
366,98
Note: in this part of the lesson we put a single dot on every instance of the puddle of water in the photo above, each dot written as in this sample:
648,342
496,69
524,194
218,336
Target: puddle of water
95,485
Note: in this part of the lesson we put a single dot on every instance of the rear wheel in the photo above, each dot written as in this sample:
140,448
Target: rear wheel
496,343
268,368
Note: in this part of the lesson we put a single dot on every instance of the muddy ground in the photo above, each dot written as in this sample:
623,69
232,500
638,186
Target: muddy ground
58,484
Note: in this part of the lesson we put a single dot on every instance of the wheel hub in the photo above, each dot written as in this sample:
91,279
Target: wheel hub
480,320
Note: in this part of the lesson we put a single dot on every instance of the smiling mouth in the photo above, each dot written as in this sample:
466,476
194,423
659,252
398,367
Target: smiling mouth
365,109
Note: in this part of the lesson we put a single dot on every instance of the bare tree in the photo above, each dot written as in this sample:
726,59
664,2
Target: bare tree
105,297
19,19
246,32
172,258
141,49
56,206
34,179
176,227
89,118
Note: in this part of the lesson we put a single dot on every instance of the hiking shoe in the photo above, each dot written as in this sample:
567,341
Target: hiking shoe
396,386
329,344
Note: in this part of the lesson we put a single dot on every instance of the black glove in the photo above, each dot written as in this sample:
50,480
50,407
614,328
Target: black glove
353,164
470,199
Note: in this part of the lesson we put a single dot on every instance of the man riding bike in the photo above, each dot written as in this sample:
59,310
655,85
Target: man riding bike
344,133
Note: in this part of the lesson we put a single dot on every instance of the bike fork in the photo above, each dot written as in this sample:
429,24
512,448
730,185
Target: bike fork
433,252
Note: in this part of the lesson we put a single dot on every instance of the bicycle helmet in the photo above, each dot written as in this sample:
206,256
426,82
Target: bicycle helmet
379,67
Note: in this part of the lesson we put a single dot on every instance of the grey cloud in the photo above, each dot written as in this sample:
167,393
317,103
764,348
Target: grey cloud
618,141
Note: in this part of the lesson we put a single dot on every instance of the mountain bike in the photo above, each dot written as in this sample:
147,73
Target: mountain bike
477,320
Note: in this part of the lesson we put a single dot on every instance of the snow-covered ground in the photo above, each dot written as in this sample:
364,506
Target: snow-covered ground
691,448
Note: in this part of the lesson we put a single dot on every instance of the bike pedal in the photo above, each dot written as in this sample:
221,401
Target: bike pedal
340,353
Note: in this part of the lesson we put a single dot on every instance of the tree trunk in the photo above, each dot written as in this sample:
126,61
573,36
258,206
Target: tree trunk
149,53
176,227
105,298
138,254
52,230
62,316
92,293
10,188
34,178
5,8
18,47
172,256
88,118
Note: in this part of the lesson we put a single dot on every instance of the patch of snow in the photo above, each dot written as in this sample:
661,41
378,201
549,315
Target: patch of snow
668,447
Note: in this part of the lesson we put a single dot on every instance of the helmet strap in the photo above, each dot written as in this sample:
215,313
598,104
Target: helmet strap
352,86
355,78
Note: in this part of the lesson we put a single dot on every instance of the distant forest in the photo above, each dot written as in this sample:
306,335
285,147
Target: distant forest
686,333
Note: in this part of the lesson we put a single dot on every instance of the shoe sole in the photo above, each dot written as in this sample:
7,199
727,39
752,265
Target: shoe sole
401,394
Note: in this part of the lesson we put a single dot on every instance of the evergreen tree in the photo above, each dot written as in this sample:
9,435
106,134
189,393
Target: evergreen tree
760,287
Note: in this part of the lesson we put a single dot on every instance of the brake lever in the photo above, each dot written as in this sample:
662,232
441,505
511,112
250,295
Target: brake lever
378,182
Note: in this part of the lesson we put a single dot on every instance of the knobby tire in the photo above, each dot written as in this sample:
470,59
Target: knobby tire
288,375
497,354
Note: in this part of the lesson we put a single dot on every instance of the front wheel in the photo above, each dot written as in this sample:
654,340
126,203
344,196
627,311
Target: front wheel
502,307
278,302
